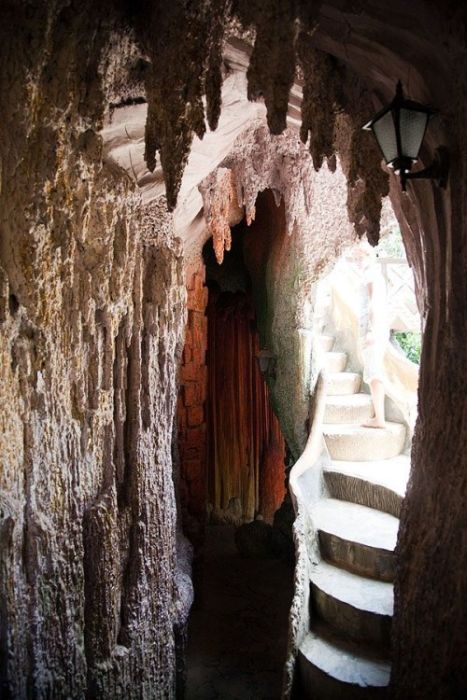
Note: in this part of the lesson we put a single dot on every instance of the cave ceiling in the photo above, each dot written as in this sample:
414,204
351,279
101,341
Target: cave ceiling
319,68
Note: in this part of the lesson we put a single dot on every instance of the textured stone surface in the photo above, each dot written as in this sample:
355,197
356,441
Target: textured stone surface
90,557
360,444
191,409
356,538
353,408
92,315
326,664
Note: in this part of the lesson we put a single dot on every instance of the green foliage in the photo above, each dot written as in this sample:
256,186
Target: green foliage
410,343
391,246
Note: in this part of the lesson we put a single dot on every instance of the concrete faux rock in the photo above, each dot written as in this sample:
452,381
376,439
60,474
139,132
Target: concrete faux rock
361,444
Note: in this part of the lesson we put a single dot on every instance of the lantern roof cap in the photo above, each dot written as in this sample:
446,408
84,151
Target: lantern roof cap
400,102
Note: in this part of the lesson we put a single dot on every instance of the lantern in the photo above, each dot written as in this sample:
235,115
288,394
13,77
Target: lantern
399,130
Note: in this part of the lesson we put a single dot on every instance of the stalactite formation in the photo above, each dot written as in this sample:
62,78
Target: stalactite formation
271,71
246,448
320,101
171,56
219,198
183,41
282,33
257,162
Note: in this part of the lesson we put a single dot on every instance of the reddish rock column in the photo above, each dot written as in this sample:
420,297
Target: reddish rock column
191,415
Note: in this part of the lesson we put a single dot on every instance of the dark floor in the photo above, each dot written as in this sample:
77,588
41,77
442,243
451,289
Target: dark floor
238,629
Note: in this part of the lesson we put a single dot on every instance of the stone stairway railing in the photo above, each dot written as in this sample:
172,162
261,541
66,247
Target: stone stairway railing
404,314
305,489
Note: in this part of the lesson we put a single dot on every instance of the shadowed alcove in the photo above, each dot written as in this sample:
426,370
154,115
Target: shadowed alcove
246,449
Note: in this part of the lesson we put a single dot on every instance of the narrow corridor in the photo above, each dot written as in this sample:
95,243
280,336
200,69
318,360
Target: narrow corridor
237,634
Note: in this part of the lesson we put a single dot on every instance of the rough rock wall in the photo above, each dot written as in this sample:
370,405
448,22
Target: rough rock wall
92,312
191,410
429,629
87,503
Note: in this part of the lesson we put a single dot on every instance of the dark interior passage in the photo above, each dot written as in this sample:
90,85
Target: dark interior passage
237,633
246,449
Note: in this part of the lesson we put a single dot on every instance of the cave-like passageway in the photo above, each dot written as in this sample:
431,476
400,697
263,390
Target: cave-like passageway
237,633
133,132
243,569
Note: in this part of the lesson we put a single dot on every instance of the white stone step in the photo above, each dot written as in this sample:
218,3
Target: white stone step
357,538
332,668
335,361
379,484
360,608
360,444
338,383
325,342
353,408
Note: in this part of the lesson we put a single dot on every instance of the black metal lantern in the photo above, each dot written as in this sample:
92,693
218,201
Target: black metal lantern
399,130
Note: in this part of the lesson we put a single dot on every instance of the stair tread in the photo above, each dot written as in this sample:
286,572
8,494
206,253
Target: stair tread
357,591
352,441
344,661
342,383
325,342
348,408
335,361
391,473
356,523
345,400
352,429
325,336
338,375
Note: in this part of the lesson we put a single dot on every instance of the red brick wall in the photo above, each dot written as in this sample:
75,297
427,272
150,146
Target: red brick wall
191,411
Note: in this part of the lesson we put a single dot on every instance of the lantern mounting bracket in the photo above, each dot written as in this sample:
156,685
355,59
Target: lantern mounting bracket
438,170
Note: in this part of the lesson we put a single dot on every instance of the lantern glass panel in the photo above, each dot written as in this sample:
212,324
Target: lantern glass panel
412,130
385,132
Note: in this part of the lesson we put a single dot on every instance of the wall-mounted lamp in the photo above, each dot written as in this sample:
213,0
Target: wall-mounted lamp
399,130
267,363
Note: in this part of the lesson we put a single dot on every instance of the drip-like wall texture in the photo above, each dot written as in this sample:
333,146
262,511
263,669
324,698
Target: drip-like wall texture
92,314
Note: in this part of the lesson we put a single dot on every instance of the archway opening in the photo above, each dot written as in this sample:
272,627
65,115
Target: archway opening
244,568
246,449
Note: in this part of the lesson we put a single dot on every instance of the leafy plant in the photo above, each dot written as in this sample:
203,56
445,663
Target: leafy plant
410,343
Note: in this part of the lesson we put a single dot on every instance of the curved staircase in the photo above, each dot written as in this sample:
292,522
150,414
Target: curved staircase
346,653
